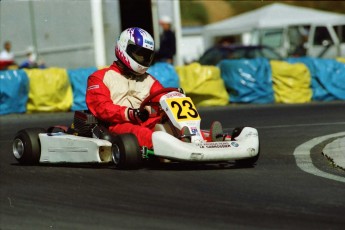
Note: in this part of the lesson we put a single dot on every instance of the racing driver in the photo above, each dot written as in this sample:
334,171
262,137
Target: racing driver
115,93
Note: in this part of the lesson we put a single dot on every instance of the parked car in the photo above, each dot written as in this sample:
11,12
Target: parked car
215,54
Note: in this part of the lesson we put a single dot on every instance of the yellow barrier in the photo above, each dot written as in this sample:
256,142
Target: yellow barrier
340,59
203,84
291,82
50,90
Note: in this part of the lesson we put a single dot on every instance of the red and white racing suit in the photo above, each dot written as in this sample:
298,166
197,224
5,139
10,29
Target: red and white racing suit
109,95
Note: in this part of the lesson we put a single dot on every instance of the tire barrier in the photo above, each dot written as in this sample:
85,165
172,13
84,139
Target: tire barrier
293,80
203,84
14,90
248,80
341,59
328,77
50,90
165,73
78,79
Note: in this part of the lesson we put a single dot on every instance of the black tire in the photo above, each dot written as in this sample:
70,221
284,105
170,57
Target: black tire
26,145
126,152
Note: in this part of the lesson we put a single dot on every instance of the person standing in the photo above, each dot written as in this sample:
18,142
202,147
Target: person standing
167,48
6,57
6,54
31,60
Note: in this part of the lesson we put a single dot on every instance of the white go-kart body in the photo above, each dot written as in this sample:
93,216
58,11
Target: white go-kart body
179,112
182,113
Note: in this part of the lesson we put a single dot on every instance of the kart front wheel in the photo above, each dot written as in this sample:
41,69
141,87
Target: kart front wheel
26,145
126,152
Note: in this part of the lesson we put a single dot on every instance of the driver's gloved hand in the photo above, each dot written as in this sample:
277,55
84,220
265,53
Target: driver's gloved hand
137,115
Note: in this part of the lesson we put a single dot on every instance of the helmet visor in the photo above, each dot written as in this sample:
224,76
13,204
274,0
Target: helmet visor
140,54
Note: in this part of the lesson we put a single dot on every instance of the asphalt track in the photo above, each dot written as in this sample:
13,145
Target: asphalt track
276,194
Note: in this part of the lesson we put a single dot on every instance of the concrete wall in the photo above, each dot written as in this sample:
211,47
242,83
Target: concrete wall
61,30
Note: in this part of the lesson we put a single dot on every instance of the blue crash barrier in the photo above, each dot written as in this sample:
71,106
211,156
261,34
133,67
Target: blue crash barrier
14,91
248,80
165,73
332,76
319,77
78,79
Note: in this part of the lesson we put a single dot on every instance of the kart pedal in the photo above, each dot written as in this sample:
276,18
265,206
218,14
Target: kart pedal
216,132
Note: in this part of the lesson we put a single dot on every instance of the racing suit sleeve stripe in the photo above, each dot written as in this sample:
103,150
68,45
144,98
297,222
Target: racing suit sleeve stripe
99,102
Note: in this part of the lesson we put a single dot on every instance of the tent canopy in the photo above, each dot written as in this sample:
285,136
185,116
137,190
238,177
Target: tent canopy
276,15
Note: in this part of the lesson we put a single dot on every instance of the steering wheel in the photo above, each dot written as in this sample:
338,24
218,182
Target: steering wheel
148,101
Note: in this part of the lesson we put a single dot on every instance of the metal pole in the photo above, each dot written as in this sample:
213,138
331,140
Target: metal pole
0,25
178,31
33,28
98,32
155,22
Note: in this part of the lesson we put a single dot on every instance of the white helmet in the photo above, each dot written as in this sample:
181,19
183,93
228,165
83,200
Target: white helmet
135,49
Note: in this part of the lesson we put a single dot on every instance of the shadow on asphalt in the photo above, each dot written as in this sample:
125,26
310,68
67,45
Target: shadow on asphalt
171,166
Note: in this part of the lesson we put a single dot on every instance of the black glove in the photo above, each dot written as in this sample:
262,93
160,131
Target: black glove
137,115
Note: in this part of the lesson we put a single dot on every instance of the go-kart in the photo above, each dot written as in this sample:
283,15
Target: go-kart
177,137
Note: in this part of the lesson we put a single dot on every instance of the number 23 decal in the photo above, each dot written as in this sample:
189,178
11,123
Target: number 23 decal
185,109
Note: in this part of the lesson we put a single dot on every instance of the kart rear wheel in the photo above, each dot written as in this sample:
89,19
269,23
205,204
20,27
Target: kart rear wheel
126,152
26,145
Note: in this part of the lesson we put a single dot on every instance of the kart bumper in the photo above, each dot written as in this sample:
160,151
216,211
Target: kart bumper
245,146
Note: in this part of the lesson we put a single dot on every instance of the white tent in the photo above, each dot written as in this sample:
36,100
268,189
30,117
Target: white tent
275,15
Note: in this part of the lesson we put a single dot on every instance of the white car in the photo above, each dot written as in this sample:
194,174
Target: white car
177,137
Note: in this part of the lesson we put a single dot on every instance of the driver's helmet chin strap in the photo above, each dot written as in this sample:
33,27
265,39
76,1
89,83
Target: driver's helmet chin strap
128,73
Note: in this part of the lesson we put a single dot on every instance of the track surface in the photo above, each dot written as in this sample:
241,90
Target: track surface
275,194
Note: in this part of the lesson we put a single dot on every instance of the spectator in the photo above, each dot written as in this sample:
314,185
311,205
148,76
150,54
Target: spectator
31,60
6,54
167,47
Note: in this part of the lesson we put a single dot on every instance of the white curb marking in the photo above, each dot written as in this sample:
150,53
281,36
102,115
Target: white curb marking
304,162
